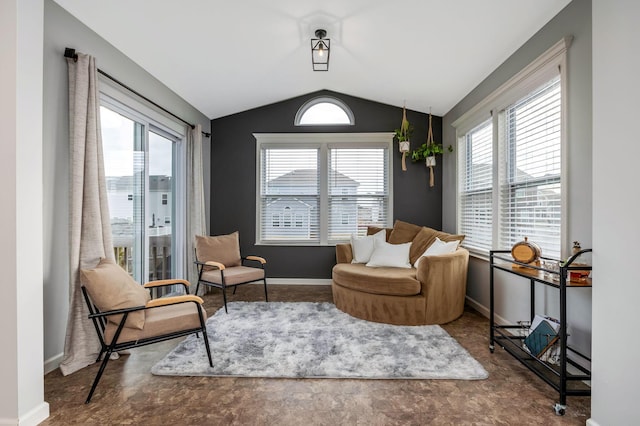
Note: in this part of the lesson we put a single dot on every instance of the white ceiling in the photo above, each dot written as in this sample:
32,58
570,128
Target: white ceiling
226,56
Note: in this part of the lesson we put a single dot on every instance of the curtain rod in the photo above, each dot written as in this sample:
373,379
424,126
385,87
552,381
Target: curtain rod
71,53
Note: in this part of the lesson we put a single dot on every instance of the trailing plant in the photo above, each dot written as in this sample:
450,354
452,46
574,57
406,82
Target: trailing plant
403,134
428,150
406,129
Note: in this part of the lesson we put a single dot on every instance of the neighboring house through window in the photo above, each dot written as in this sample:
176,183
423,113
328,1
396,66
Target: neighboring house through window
143,156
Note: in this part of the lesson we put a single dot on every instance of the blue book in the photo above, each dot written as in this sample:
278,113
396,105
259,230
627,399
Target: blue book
541,338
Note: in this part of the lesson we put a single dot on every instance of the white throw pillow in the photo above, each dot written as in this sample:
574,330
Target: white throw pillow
362,247
439,247
393,255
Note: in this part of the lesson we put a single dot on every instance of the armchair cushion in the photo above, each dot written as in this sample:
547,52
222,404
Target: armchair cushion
159,321
111,287
403,232
426,237
221,248
234,275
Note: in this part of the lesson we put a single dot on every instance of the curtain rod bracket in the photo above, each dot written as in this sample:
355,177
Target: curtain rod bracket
71,53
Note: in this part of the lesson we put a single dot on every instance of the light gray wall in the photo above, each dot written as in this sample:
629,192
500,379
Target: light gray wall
616,67
512,299
62,30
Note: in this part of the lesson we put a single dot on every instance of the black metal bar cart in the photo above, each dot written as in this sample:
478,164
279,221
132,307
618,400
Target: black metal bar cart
511,336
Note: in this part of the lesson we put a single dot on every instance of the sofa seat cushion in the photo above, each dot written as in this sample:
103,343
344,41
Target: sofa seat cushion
385,280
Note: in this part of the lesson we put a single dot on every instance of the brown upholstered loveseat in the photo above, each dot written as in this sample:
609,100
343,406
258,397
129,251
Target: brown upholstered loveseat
434,293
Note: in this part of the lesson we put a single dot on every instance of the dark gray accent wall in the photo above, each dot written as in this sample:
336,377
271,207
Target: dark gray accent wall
233,176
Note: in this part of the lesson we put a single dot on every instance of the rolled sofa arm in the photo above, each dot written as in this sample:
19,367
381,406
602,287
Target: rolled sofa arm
344,253
444,283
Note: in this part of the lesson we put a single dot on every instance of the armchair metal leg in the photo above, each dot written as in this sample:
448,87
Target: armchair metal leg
266,298
98,376
224,297
206,345
197,287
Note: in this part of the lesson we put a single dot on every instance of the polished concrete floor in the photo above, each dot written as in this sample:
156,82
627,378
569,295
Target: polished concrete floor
129,394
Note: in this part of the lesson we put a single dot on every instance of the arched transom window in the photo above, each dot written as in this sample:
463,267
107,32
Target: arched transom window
324,110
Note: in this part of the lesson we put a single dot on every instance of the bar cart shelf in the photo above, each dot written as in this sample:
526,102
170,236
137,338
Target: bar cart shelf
511,337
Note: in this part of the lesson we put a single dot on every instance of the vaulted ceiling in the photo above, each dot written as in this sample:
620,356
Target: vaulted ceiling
225,56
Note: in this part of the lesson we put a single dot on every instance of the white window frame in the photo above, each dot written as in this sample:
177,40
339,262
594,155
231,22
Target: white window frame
323,141
119,100
547,66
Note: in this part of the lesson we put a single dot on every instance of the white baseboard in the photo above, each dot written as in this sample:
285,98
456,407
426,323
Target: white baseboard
52,363
298,281
591,422
32,418
484,311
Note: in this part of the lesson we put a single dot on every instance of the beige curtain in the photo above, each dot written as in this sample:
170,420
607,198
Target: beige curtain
196,220
89,223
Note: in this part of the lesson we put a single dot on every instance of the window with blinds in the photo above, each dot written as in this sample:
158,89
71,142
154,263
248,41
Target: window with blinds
509,166
317,189
289,194
475,212
358,191
530,193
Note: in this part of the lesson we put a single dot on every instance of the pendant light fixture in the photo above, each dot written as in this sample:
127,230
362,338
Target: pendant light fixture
320,51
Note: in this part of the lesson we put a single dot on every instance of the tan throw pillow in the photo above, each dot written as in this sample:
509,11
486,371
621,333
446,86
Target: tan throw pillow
111,287
444,236
403,232
221,248
423,239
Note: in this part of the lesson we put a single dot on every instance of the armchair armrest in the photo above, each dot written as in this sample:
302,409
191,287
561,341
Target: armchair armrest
344,253
173,300
162,283
262,260
443,279
213,263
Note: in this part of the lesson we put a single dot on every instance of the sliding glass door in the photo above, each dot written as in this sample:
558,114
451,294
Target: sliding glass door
141,163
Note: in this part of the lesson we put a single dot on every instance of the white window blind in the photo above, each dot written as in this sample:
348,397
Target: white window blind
358,191
289,195
475,212
530,192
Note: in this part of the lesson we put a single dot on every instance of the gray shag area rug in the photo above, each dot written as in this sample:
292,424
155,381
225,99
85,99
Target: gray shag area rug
316,340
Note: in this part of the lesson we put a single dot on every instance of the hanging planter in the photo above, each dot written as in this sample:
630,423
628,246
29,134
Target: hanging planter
403,134
427,152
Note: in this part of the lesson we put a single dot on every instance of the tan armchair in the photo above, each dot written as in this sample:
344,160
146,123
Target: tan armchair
432,293
125,316
220,264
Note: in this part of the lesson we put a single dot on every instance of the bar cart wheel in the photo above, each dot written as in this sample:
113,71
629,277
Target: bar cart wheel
559,409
